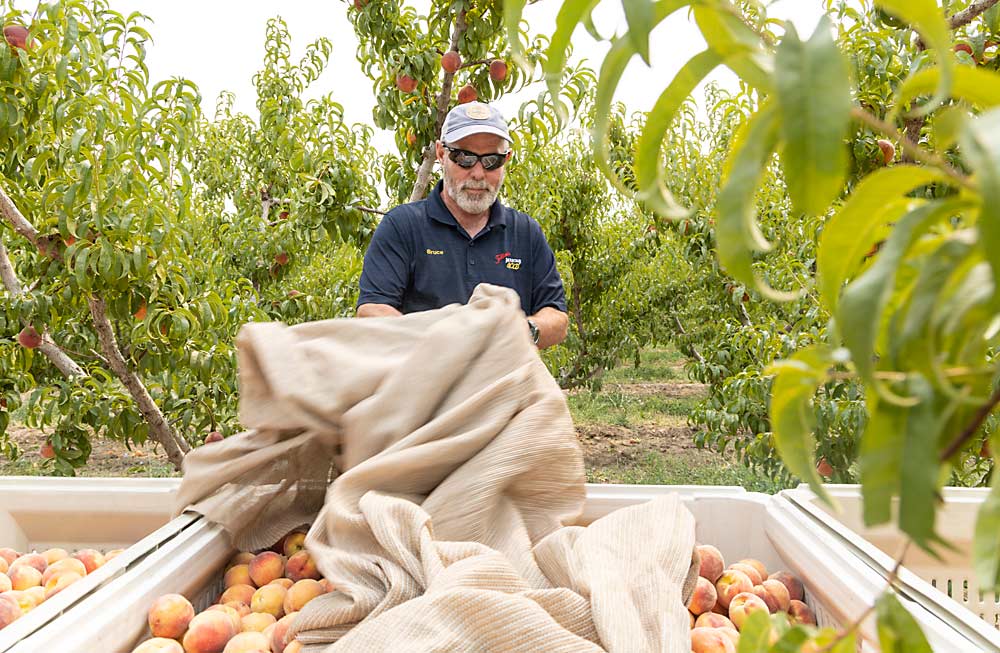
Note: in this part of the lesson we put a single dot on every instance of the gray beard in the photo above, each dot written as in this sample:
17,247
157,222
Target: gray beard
466,201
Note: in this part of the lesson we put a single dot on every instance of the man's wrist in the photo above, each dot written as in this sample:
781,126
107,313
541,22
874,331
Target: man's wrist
533,330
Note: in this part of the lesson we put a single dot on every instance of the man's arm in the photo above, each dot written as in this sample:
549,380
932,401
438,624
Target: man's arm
552,326
377,310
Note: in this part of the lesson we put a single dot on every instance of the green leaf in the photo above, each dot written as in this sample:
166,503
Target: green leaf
813,93
880,457
791,411
846,235
639,16
928,19
570,15
755,635
652,191
737,233
986,542
981,147
512,12
898,631
978,86
918,489
735,42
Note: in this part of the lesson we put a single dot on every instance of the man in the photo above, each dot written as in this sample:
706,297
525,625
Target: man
434,252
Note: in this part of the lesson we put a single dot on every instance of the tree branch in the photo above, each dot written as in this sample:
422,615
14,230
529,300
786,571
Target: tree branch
969,431
691,351
968,14
443,100
161,431
367,210
16,219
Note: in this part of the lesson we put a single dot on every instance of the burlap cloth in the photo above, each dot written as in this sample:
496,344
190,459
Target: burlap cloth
457,478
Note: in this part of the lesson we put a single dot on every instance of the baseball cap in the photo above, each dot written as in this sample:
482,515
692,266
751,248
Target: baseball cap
474,118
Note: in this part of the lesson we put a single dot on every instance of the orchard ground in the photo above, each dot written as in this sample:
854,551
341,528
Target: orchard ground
634,430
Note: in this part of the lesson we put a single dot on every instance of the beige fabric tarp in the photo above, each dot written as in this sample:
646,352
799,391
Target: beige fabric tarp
449,526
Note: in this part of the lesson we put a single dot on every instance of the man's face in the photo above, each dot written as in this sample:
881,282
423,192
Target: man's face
473,189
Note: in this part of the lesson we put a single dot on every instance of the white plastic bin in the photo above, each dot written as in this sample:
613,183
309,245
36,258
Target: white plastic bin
741,524
947,586
38,513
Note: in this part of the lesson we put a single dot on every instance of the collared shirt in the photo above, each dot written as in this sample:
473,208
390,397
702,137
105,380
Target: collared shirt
420,258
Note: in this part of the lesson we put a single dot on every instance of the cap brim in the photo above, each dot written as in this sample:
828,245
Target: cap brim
462,132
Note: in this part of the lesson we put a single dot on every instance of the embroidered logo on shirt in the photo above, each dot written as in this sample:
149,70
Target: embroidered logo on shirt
513,263
501,257
435,252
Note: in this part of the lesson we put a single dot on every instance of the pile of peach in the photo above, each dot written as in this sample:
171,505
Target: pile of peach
262,595
725,596
28,579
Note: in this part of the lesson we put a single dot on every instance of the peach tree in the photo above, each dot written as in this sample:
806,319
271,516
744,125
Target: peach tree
915,322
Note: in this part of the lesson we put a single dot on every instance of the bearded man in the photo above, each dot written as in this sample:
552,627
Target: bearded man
434,252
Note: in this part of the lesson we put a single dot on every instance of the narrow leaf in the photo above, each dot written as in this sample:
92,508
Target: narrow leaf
880,457
639,16
918,489
735,42
570,14
898,631
981,147
986,544
978,86
755,634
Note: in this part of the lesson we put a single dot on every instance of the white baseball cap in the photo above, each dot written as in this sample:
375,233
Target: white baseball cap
474,118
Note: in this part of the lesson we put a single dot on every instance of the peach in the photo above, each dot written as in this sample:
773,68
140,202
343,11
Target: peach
711,640
742,605
284,582
242,609
756,564
778,592
243,593
4,566
159,645
800,613
36,595
170,615
294,646
712,564
91,559
279,636
248,642
32,560
718,608
751,572
270,599
713,620
237,575
703,597
5,584
10,611
257,621
327,586
731,583
294,542
301,566
791,583
765,596
265,567
235,617
24,576
241,558
59,582
9,555
307,589
66,564
208,632
25,602
691,620
52,555
733,635
112,554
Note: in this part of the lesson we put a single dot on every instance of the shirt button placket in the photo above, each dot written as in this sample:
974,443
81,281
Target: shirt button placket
472,259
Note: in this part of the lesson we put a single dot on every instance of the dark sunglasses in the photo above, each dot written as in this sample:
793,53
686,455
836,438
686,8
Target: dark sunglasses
467,159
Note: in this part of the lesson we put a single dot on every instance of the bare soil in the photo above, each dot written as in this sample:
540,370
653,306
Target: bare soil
107,457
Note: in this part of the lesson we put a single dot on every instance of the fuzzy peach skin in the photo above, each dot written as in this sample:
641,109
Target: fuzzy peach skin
169,616
731,583
743,605
711,640
703,597
712,564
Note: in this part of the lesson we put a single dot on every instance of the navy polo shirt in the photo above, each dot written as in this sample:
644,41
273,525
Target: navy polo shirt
420,258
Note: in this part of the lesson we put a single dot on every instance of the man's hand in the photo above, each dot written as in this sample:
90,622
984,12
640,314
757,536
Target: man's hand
377,310
552,325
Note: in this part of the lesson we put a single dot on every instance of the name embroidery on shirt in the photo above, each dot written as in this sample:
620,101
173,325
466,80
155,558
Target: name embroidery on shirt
435,252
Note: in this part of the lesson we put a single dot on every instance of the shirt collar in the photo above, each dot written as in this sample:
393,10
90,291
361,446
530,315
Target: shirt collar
437,209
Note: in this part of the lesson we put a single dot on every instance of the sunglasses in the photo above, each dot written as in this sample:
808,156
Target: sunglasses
467,159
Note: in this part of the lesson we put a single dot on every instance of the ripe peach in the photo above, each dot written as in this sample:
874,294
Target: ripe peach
498,70
778,592
765,596
266,567
451,61
282,258
59,566
888,154
304,591
791,583
25,602
800,613
711,640
270,599
10,555
53,555
713,620
294,542
279,636
405,83
239,592
301,566
756,564
751,572
208,632
742,605
242,609
112,554
91,559
29,337
59,582
47,451
241,558
733,635
4,566
294,646
16,36
235,618
36,595
10,611
257,621
5,584
718,608
467,94
703,597
284,582
32,560
731,583
170,615
24,576
691,620
214,436
159,645
248,642
237,575
712,564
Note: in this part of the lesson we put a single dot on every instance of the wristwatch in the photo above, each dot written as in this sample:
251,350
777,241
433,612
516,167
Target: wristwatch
534,331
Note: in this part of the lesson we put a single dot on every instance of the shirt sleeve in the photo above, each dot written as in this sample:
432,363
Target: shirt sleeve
546,284
386,270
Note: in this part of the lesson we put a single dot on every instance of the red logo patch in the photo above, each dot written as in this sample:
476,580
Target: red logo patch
501,257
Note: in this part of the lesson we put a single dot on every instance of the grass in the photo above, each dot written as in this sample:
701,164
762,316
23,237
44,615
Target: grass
657,469
624,409
654,365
